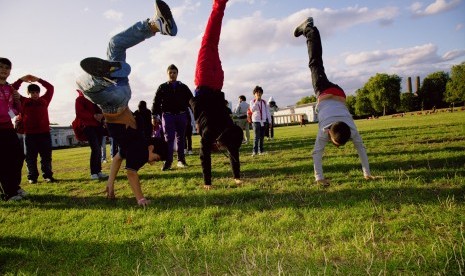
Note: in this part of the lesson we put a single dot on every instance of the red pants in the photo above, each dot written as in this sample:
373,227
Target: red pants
208,71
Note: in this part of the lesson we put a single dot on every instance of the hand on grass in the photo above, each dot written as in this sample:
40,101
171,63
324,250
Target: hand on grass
143,202
323,182
207,187
372,177
110,192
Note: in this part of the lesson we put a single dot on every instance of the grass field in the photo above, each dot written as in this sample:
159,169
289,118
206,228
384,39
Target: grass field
410,222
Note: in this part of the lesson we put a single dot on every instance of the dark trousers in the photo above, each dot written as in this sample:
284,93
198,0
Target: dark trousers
10,163
39,144
206,143
174,127
95,136
315,55
272,127
188,145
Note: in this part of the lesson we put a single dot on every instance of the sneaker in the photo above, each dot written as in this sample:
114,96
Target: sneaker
164,19
94,176
300,30
32,181
262,153
22,193
190,152
50,179
98,67
166,167
101,175
254,153
15,198
104,161
181,164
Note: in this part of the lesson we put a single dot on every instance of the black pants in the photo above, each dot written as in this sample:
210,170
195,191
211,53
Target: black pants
95,136
315,55
10,163
39,144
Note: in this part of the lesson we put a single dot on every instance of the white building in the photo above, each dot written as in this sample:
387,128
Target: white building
62,136
294,114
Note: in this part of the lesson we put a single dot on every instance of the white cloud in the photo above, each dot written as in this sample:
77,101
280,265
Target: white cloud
459,27
113,15
438,6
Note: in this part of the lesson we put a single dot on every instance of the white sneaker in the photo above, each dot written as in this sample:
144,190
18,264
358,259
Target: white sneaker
163,18
181,164
22,193
190,152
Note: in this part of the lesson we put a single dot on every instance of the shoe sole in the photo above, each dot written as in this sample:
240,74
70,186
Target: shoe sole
164,12
97,67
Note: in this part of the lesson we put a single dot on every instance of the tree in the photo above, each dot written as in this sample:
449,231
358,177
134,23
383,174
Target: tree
384,92
306,100
455,88
432,90
350,102
363,103
408,102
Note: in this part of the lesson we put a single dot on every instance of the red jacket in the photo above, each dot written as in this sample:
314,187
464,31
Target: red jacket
35,112
85,110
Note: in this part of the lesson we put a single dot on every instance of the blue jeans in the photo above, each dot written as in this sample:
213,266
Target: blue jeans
36,144
113,98
259,132
174,126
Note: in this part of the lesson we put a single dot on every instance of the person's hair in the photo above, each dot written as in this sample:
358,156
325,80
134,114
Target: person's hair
160,147
33,87
172,67
340,132
257,89
5,61
242,97
142,105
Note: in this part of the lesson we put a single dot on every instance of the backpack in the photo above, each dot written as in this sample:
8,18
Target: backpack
78,128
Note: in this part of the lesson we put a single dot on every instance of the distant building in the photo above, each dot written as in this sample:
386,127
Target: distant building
62,136
294,114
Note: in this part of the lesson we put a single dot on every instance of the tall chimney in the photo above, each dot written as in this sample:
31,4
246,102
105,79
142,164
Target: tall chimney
409,84
417,84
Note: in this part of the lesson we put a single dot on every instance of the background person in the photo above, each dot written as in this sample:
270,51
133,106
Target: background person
273,108
170,106
261,118
240,112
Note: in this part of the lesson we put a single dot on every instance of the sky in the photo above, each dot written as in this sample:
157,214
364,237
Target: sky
49,38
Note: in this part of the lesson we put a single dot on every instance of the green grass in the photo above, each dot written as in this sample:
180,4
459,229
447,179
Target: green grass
279,222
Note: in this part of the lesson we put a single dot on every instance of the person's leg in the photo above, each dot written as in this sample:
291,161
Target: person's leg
45,151
10,163
180,126
169,131
188,145
103,150
95,149
206,160
208,71
247,130
272,127
257,134
31,157
262,137
234,161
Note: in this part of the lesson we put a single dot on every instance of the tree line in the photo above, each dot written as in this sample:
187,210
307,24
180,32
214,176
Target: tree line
382,95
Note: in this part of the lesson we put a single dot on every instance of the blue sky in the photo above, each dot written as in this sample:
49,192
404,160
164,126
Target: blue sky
48,38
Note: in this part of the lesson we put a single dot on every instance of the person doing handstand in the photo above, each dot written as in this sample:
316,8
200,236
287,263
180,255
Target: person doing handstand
335,123
107,85
213,121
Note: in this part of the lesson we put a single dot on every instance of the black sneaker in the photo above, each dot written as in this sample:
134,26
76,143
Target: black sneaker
98,67
300,30
164,19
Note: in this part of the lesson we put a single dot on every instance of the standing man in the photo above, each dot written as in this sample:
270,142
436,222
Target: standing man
34,111
12,156
170,107
240,113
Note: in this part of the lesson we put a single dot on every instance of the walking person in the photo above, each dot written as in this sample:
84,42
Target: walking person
261,118
335,122
106,84
170,106
213,121
240,112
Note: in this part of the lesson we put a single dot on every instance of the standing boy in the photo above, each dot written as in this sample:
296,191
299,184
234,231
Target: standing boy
107,85
335,122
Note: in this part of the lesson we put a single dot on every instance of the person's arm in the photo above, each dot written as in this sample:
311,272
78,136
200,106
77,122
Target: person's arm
318,150
115,166
362,153
134,182
156,105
